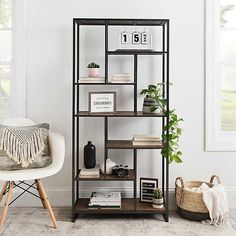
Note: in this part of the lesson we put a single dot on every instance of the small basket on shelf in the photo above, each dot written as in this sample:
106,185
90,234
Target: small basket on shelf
189,203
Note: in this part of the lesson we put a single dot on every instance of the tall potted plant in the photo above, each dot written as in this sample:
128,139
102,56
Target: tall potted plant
170,139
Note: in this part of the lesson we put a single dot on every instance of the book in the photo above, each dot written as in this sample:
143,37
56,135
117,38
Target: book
121,77
90,173
148,138
144,143
92,80
105,196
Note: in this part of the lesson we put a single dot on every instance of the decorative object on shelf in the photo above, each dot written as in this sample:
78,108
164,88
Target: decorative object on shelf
121,78
154,100
135,39
89,155
147,187
120,170
140,140
157,201
106,200
92,80
93,70
90,173
173,154
102,102
109,166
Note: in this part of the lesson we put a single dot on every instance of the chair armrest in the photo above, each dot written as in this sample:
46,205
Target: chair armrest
57,149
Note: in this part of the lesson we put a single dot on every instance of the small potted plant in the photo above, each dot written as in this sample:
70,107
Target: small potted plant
153,101
157,201
93,69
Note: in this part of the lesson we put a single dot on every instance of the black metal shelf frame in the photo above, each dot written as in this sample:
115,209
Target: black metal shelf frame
164,23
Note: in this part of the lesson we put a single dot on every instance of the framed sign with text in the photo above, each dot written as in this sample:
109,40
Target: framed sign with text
102,102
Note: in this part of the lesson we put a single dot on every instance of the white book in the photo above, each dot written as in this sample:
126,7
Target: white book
105,196
144,143
146,138
89,173
121,77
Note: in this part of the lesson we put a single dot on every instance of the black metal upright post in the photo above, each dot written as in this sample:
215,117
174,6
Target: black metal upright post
77,110
106,80
163,92
135,110
73,128
168,109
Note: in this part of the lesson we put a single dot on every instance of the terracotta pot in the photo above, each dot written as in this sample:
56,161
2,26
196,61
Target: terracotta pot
93,72
157,203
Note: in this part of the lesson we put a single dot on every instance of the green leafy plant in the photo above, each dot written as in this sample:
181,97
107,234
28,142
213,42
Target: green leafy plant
155,92
157,194
93,65
171,140
172,152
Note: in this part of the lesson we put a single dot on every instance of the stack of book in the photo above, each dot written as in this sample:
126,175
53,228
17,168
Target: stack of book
108,200
121,78
139,140
92,80
90,173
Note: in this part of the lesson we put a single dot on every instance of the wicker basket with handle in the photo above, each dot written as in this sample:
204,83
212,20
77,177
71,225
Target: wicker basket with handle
190,204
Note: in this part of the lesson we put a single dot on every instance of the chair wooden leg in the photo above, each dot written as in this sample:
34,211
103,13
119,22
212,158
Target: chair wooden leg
40,194
3,190
47,203
8,199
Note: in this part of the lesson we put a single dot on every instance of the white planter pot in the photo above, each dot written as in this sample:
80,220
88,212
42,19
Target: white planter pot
147,103
157,203
109,165
93,72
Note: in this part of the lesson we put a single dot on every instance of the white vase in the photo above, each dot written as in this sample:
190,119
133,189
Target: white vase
109,165
157,203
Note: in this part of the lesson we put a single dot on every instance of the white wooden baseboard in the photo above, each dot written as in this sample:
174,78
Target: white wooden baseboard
62,196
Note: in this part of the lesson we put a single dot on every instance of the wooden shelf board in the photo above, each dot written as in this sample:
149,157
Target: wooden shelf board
127,206
119,114
103,177
127,144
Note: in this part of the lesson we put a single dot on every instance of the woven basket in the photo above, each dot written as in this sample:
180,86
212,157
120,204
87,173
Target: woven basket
190,204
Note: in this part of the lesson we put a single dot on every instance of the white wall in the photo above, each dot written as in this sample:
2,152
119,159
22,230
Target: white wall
49,85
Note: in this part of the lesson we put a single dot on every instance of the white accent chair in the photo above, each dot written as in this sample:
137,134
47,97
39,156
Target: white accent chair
57,152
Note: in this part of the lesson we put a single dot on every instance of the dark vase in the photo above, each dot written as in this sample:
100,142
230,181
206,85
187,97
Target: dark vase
89,155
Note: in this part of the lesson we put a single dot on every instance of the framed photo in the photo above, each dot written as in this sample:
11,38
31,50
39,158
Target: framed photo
102,102
136,38
147,187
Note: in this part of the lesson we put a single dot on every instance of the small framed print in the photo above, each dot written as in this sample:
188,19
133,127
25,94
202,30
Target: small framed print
147,187
102,102
136,38
124,38
144,38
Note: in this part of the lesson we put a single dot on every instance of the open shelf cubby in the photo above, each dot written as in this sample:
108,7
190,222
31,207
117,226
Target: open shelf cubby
129,205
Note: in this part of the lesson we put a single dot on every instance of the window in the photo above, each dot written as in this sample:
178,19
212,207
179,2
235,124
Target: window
221,75
5,57
12,77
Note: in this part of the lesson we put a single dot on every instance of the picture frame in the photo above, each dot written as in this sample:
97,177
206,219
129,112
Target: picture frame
147,187
102,102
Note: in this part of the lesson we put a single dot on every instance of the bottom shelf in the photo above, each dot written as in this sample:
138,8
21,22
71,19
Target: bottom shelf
127,206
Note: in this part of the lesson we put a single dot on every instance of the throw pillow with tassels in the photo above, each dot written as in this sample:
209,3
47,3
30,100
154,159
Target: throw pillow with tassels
24,147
